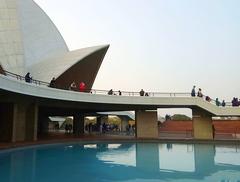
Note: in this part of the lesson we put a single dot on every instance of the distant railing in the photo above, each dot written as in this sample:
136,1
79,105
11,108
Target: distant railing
122,93
235,135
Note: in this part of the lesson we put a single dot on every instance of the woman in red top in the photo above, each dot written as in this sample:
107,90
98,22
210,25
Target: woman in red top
82,87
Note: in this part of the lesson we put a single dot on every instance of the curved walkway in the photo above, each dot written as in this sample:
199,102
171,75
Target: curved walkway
20,87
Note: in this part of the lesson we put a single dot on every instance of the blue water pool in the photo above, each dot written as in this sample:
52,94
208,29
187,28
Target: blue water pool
148,162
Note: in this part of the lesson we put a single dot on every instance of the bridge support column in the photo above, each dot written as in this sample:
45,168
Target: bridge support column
18,122
202,125
146,124
6,121
99,122
78,124
124,123
32,122
24,122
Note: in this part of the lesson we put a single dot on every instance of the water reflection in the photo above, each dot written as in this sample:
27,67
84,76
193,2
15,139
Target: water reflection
123,162
122,156
227,155
182,157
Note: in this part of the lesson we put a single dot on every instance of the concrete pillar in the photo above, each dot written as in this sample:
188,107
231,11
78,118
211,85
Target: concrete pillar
99,122
25,118
202,125
124,123
31,122
78,124
146,124
18,121
6,121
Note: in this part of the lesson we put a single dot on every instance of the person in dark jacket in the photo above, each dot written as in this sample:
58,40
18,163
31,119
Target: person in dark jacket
53,83
110,92
141,92
28,78
193,93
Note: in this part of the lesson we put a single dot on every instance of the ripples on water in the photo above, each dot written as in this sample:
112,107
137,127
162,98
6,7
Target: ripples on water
122,162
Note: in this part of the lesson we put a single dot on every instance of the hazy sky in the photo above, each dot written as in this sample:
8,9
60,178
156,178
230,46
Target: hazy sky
157,45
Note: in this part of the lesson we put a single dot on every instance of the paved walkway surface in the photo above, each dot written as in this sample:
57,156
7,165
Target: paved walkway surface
52,138
62,138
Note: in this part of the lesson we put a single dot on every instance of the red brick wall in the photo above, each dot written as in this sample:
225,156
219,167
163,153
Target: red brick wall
219,125
227,126
176,126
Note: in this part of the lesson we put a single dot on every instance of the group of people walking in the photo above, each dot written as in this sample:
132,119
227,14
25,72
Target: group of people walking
207,98
110,92
82,88
235,102
141,93
199,93
72,86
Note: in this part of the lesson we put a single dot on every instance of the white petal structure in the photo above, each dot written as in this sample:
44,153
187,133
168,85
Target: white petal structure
80,65
30,42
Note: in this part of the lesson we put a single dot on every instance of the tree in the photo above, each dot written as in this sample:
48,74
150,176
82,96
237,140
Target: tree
180,117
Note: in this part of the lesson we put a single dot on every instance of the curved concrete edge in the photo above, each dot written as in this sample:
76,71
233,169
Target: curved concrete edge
121,113
12,85
83,53
10,147
56,66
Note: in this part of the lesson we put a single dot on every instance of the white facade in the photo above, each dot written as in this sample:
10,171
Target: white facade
41,38
54,66
11,42
30,42
27,35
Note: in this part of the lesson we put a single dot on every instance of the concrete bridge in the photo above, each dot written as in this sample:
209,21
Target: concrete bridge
25,108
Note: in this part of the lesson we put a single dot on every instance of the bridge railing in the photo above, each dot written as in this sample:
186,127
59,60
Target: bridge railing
123,93
22,78
150,94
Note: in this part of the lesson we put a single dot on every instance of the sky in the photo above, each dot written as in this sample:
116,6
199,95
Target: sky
157,45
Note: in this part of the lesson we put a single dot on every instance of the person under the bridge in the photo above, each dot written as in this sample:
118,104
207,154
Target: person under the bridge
82,87
213,131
